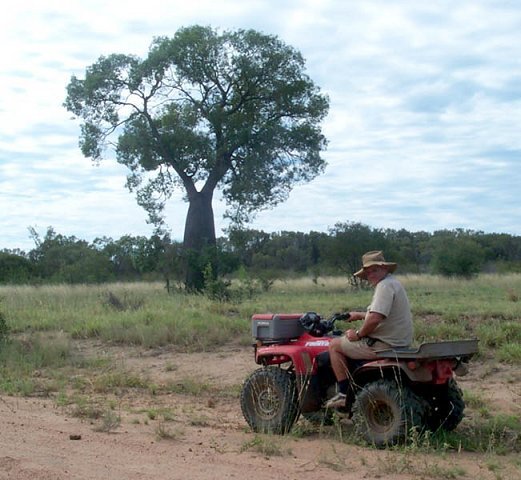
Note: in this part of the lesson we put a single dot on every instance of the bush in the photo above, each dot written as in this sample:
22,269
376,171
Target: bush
4,327
461,257
215,288
14,268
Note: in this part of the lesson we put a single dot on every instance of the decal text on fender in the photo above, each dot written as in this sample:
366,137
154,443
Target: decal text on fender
317,343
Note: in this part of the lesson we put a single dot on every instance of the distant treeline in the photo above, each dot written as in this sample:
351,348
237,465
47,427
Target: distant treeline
66,259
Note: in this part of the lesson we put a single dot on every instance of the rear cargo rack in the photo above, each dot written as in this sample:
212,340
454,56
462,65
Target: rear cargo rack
434,350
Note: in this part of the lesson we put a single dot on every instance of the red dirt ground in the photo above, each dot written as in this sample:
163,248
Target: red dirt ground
205,436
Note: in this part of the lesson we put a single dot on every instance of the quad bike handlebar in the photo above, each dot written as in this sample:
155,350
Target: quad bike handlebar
314,324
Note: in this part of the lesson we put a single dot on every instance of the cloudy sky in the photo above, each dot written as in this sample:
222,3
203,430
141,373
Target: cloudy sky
423,126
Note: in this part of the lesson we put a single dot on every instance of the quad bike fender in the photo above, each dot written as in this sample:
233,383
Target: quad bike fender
435,371
303,361
315,389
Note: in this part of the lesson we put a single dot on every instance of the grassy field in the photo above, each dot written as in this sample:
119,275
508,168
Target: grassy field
40,328
42,321
487,307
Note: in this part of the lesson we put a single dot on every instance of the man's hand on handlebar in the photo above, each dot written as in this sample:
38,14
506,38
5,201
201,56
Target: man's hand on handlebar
352,336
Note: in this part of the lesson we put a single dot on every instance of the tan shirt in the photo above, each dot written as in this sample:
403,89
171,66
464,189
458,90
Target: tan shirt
391,301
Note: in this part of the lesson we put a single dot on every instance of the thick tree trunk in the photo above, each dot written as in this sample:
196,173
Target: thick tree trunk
199,239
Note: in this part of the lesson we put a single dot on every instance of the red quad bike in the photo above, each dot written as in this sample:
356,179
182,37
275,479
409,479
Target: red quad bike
404,388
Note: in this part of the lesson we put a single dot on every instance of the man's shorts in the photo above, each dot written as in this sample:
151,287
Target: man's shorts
360,350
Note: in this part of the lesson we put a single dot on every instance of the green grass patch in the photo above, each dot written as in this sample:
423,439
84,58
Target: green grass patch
38,325
477,403
510,353
81,406
30,365
266,445
500,434
115,380
188,386
109,421
164,414
166,432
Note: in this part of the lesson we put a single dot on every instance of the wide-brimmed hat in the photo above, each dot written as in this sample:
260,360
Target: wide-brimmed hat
375,257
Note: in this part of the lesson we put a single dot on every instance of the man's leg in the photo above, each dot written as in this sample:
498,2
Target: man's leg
338,359
340,351
339,364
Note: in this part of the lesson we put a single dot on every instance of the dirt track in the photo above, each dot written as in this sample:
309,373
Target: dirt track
206,436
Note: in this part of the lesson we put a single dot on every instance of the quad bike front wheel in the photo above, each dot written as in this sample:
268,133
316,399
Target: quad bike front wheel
384,413
269,400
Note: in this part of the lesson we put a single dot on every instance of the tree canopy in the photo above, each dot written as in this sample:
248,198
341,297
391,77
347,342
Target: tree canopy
57,258
205,110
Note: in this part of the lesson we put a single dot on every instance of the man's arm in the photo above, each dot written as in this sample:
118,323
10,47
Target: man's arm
371,321
354,316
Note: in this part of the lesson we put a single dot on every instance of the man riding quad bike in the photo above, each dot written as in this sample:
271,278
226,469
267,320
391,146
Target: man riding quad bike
403,388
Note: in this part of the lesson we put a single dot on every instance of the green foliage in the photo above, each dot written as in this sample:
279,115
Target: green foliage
215,288
246,287
454,256
15,268
349,241
61,259
265,256
4,328
134,257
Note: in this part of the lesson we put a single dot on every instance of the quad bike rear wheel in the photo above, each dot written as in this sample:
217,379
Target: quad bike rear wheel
384,412
446,407
269,400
